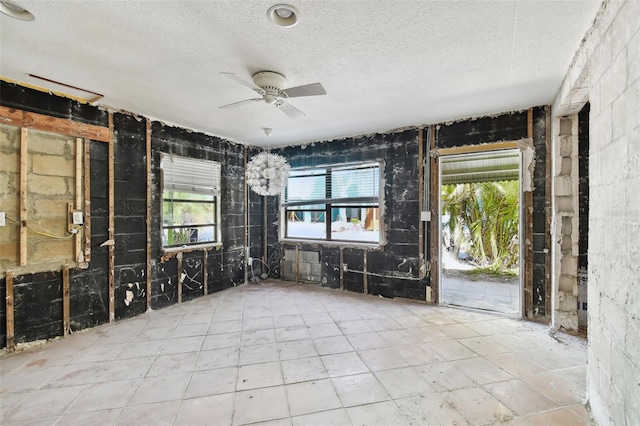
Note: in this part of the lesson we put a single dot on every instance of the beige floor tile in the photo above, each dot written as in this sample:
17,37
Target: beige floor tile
316,318
403,382
483,345
287,321
217,358
160,389
181,345
354,327
45,403
399,337
257,337
323,330
419,354
303,369
429,334
258,353
359,389
214,410
332,345
103,396
157,414
485,328
444,376
257,323
220,341
93,418
99,352
259,376
521,398
384,413
287,334
124,369
364,341
223,327
482,371
261,404
451,350
175,363
196,317
141,349
410,321
338,417
382,359
72,374
296,349
190,330
311,397
516,364
383,324
212,382
560,416
344,315
557,387
431,409
343,364
478,406
457,331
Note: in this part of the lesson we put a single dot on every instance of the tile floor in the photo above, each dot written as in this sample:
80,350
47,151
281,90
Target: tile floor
284,354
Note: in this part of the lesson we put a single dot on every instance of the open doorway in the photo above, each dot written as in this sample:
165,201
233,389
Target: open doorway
480,199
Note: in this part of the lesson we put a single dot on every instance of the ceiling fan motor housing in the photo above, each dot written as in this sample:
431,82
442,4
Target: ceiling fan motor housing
271,82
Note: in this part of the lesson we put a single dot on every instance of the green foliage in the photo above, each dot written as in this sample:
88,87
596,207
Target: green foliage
484,219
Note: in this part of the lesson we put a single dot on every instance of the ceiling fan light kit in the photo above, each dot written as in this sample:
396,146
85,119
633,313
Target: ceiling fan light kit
283,15
16,11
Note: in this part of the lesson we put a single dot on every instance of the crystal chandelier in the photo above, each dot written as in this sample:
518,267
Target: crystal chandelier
267,173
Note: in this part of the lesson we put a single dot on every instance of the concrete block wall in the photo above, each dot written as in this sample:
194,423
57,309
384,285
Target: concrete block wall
610,55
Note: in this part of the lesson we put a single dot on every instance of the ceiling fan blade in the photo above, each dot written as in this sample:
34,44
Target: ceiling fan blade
246,83
237,104
289,109
314,89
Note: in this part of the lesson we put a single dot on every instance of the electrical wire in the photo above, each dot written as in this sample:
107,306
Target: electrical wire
47,234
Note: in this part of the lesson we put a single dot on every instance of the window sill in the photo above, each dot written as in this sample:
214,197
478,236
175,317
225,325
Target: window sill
345,244
170,252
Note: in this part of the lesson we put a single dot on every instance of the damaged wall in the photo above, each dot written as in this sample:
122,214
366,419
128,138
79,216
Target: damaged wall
610,61
38,294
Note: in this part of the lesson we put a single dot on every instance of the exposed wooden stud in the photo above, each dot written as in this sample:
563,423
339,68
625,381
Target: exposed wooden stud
341,268
547,209
78,199
246,217
179,268
66,325
528,237
434,180
468,149
112,261
11,343
24,170
365,276
149,185
205,273
420,199
87,200
32,120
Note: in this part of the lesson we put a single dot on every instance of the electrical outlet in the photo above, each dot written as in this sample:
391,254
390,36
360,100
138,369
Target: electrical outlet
344,267
2,219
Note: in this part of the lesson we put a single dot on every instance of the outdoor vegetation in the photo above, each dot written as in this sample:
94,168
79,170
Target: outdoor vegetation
480,222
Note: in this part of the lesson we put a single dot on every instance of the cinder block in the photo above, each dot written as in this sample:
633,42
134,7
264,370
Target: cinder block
614,80
50,143
305,268
52,165
569,265
566,283
566,146
567,226
290,254
563,186
565,127
48,207
9,183
565,204
50,185
10,162
50,250
316,269
310,256
565,166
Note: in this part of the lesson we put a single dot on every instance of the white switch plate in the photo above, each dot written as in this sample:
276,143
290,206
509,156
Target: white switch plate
425,216
2,219
77,218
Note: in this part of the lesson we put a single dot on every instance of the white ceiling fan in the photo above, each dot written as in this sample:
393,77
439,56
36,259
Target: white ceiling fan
271,86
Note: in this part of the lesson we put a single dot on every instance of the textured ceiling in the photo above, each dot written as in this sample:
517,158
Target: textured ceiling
384,64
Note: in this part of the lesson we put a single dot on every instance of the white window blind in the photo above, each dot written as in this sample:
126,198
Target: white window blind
344,183
182,174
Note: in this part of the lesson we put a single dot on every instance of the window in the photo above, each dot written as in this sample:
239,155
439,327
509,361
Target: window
190,201
333,203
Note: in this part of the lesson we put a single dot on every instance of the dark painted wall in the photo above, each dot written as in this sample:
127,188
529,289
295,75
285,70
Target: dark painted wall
510,127
38,297
399,257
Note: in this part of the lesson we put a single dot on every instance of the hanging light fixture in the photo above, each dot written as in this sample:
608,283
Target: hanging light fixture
267,173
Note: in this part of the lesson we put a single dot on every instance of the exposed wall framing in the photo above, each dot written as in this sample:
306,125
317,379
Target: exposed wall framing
111,229
149,200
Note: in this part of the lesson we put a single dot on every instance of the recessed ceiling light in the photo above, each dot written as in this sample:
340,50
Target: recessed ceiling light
15,11
283,15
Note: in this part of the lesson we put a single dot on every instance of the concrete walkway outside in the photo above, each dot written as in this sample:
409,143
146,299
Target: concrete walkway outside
503,297
284,354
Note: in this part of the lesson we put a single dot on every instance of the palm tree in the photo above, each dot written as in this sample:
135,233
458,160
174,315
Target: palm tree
484,219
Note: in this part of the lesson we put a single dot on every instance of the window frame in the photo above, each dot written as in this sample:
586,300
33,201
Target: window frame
214,189
325,206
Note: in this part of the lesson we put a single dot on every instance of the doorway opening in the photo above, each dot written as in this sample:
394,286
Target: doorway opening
480,233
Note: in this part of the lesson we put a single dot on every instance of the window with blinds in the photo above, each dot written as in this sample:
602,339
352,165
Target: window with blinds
334,203
190,201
